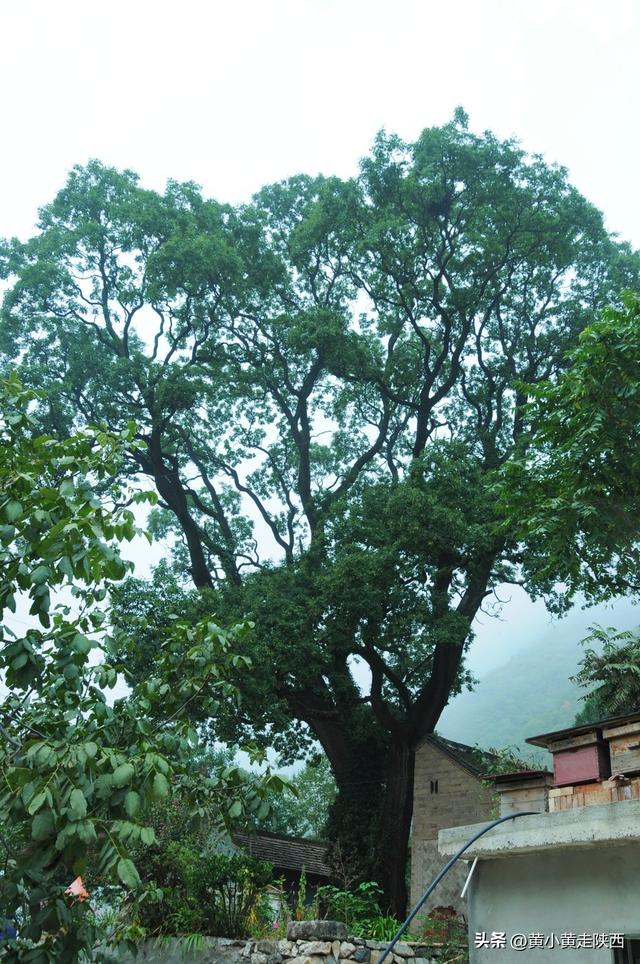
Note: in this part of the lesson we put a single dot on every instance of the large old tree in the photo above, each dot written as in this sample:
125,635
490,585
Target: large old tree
327,384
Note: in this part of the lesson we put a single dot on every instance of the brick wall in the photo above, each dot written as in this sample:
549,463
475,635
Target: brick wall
446,794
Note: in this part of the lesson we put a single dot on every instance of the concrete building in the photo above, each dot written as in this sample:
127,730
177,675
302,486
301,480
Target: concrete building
562,884
448,791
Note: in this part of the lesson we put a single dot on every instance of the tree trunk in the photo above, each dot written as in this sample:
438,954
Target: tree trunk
396,808
370,820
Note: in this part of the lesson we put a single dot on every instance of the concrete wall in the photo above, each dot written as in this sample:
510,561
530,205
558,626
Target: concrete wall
595,890
574,872
461,799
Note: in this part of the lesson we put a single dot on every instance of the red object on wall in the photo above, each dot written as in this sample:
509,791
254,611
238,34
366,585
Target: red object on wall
584,764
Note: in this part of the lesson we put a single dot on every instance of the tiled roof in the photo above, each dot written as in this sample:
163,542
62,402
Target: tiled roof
470,757
512,776
286,853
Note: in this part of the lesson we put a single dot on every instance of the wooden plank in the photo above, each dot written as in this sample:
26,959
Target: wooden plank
536,784
625,755
573,742
627,729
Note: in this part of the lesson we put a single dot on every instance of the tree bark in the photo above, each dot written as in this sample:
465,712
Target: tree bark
370,820
396,809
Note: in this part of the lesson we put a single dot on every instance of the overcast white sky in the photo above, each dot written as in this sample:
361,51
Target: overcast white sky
237,94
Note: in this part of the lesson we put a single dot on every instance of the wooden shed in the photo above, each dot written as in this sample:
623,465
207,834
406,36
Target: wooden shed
289,856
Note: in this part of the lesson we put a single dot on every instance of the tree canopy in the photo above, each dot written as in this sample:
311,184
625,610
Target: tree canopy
611,674
328,383
576,493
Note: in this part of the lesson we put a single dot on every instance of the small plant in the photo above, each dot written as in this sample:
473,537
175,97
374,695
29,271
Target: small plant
192,886
444,929
301,896
271,912
352,907
380,928
188,944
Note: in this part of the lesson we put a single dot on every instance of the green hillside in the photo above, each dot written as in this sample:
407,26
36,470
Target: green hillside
531,692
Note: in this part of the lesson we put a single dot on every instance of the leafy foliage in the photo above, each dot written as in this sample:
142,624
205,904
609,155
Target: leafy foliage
612,674
327,384
79,773
305,812
200,888
355,907
577,495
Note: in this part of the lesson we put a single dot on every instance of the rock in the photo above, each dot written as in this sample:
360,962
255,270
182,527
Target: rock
285,947
346,949
314,947
266,947
362,955
404,950
335,949
258,958
316,930
307,959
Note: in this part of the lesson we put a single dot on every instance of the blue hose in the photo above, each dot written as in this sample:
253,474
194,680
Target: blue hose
447,867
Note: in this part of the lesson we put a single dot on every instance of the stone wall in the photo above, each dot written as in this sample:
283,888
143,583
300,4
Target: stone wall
445,794
307,942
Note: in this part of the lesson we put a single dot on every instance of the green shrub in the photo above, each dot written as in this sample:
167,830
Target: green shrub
200,889
359,909
447,931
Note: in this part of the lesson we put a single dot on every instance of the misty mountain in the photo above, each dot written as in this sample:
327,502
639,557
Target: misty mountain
530,692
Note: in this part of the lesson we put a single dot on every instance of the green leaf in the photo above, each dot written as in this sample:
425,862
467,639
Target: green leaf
42,826
78,804
65,566
40,575
123,774
86,831
235,810
37,802
160,786
147,835
132,803
80,644
128,874
66,487
13,510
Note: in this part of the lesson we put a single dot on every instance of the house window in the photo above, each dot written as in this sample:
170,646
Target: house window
630,953
434,786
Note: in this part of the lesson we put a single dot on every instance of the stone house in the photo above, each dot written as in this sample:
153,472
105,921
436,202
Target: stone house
448,792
